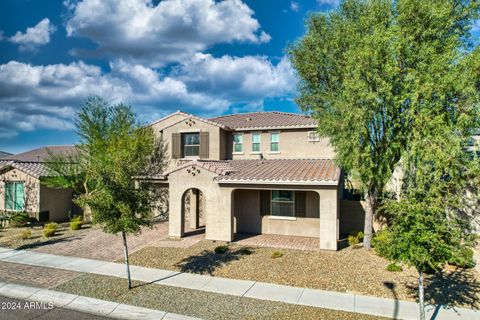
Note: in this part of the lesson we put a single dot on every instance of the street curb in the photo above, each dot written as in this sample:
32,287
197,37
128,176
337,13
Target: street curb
86,304
350,302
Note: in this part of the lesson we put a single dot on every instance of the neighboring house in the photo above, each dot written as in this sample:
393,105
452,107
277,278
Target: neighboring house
262,172
21,188
4,154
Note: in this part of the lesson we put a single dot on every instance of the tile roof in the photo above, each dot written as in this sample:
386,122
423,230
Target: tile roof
272,119
269,171
4,154
35,169
41,154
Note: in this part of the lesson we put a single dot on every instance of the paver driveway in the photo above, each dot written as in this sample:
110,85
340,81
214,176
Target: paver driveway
97,244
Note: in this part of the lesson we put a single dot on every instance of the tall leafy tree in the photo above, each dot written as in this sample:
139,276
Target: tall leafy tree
429,226
366,69
114,148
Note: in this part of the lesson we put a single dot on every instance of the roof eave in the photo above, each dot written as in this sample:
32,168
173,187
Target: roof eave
281,182
276,127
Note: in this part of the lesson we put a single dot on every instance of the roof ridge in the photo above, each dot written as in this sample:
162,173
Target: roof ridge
257,112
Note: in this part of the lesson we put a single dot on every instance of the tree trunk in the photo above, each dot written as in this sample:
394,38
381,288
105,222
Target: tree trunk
371,201
421,298
124,236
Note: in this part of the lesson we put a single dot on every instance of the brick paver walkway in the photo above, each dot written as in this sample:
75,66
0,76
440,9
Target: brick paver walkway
31,275
97,244
277,241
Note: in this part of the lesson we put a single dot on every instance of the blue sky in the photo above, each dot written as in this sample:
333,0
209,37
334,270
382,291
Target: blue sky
200,56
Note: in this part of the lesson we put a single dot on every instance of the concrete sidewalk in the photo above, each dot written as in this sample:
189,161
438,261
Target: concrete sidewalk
86,304
391,308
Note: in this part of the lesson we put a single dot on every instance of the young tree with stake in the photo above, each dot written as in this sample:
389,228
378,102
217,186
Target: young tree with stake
113,149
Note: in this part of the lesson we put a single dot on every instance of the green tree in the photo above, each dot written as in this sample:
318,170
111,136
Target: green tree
428,224
366,69
114,148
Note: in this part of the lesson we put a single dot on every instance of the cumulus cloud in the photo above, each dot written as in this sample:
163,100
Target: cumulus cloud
33,36
331,3
137,31
294,6
33,97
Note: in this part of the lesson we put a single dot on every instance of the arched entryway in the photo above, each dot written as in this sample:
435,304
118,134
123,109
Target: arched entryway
193,211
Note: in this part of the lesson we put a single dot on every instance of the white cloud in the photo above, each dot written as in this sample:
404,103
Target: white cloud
331,3
139,32
33,97
294,6
34,36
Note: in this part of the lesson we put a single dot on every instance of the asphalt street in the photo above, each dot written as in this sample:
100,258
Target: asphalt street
15,309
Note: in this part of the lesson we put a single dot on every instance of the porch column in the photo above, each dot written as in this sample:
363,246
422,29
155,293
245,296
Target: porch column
219,217
176,214
328,219
194,209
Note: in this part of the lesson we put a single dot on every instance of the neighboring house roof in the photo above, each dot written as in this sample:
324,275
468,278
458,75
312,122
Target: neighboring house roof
279,171
33,162
4,154
41,154
265,120
35,169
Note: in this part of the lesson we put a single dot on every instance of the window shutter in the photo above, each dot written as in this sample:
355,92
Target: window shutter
176,145
300,203
204,145
265,202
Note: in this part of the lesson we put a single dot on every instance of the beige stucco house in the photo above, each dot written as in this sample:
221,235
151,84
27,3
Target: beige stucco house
21,188
262,172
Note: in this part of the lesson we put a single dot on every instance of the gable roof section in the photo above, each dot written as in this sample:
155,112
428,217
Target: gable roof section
281,171
41,154
4,154
265,120
34,169
191,116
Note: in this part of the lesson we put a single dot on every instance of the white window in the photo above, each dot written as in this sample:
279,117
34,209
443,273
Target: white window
237,142
283,203
274,141
191,144
256,141
313,136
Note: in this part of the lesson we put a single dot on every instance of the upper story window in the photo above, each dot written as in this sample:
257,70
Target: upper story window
256,140
313,136
191,144
14,196
274,141
238,142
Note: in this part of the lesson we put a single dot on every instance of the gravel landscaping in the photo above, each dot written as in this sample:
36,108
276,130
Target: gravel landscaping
350,270
12,237
195,303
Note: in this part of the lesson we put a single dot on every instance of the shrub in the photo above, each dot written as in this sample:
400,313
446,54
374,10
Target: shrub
276,254
393,267
381,243
221,249
245,251
26,234
76,223
355,238
18,219
48,233
49,229
463,258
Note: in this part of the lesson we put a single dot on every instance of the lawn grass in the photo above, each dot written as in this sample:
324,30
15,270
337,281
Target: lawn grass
205,305
12,237
349,270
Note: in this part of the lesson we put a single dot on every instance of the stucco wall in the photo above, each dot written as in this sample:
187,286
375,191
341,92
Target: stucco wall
293,144
32,187
248,218
58,203
218,204
216,152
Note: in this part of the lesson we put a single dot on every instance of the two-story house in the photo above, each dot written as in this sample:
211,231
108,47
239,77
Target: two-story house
262,172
